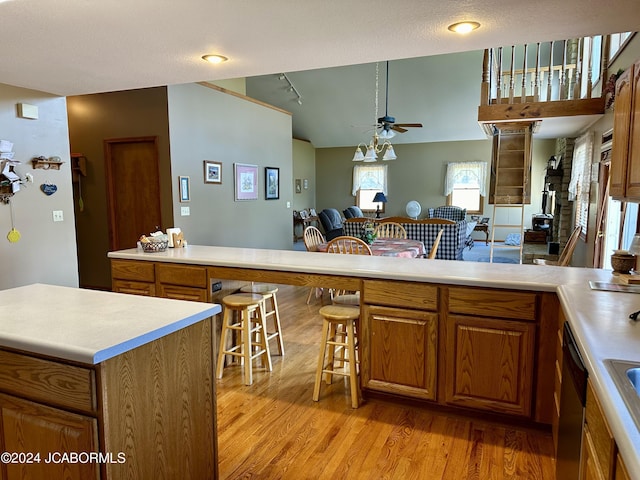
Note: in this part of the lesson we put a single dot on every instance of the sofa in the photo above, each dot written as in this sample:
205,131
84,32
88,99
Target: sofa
452,242
457,214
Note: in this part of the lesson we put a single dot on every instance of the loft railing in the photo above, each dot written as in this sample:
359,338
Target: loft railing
543,72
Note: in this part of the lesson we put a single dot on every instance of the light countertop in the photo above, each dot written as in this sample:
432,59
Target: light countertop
89,326
599,319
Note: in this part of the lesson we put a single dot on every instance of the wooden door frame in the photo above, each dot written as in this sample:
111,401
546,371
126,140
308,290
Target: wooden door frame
111,219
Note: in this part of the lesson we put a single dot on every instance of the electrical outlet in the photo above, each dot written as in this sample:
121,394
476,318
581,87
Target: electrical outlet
184,211
288,204
58,216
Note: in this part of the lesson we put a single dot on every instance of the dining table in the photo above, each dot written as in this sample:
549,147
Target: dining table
392,247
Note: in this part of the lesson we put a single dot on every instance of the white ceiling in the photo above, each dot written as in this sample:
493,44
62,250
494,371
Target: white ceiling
76,47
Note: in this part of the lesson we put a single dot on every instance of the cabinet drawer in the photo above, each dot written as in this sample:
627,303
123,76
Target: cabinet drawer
182,293
134,288
493,303
189,276
132,270
47,381
401,294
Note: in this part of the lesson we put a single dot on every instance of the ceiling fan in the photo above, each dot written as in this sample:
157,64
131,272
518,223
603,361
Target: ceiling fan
387,122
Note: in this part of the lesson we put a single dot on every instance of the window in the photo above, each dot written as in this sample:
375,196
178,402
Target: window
581,180
617,42
465,185
367,181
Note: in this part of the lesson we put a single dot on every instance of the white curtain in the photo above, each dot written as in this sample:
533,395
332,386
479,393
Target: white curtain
369,177
475,173
581,164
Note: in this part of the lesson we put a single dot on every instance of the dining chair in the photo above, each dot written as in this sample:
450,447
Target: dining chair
312,236
436,243
348,245
390,230
567,252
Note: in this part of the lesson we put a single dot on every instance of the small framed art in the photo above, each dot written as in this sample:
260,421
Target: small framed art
246,181
212,172
271,183
185,191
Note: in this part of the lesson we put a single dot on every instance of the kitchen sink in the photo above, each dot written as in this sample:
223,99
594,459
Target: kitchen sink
626,376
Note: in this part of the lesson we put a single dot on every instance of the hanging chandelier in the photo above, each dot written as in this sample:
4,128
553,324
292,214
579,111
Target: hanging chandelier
379,142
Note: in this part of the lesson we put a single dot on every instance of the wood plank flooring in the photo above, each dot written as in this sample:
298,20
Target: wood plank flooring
274,430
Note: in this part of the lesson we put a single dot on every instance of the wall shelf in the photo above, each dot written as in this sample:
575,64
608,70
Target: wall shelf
41,162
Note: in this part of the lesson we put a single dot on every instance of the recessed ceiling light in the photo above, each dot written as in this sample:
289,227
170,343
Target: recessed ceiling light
464,27
214,58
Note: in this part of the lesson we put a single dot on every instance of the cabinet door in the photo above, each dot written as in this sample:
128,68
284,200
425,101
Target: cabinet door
490,364
29,427
621,470
621,135
633,167
402,351
589,467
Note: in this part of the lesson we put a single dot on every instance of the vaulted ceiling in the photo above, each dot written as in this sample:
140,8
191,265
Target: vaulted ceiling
77,46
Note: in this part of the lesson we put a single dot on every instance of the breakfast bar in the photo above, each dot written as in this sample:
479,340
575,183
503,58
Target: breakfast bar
426,324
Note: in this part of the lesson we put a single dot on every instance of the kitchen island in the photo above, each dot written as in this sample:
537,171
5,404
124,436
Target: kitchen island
102,385
446,305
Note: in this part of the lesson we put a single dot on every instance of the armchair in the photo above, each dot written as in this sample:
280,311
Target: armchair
331,221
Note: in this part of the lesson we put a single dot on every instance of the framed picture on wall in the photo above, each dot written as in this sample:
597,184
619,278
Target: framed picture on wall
271,183
185,191
298,185
245,181
212,172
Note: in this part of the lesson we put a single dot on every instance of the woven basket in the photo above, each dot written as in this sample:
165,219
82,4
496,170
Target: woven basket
623,263
153,247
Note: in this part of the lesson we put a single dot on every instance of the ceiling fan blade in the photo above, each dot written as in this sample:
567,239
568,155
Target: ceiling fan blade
398,129
408,125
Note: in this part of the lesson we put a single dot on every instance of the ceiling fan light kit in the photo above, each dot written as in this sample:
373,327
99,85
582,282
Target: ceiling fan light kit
388,128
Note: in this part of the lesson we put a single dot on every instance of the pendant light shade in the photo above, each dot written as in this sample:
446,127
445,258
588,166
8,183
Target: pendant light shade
370,156
389,153
358,156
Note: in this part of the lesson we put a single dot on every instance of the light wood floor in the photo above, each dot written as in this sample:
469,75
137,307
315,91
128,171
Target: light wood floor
274,430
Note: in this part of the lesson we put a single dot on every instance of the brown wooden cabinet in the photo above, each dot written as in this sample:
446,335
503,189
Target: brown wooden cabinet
47,432
598,457
400,345
149,412
490,347
625,153
180,282
403,351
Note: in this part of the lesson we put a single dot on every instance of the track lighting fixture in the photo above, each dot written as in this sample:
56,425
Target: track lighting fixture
291,88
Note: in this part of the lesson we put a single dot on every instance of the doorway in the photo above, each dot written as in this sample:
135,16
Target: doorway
133,189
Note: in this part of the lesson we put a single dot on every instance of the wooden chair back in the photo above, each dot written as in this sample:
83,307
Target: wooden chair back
390,230
348,245
434,248
567,252
312,236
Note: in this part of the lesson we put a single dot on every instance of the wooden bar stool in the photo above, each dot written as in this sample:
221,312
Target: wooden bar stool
251,325
268,293
339,338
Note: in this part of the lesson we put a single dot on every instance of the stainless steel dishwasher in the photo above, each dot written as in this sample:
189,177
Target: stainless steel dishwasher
573,396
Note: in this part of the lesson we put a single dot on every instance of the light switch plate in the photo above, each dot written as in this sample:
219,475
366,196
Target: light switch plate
185,211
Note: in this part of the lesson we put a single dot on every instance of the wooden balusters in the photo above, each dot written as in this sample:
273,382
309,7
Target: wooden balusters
485,88
512,78
562,77
550,77
499,92
523,93
537,79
